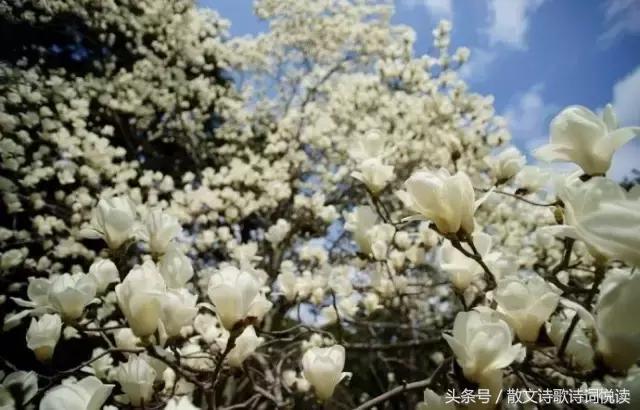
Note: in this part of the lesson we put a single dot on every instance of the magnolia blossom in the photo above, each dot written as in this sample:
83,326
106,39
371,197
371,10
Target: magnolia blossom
532,178
370,145
616,320
136,379
322,367
287,282
87,394
140,298
464,270
293,286
244,346
11,258
113,220
104,272
69,294
507,164
359,222
65,294
291,379
159,229
278,232
446,200
579,347
482,345
604,216
380,236
526,306
175,267
236,296
578,135
178,310
371,302
432,401
374,174
43,335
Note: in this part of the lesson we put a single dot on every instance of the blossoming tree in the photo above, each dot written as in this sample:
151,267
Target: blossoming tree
313,217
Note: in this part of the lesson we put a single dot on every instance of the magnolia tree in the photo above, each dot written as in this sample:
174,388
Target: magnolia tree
313,217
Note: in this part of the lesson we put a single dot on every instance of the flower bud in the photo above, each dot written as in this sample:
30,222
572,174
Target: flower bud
236,296
136,379
446,200
113,220
159,229
43,335
322,367
104,272
140,296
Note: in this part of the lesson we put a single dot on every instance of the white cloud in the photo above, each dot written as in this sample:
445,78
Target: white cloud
476,69
509,21
625,160
626,104
621,17
437,8
528,118
626,98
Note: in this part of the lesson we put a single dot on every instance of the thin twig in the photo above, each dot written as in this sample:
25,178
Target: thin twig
421,384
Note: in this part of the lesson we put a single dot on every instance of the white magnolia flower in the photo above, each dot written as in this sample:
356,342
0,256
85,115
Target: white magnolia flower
159,229
578,135
464,270
432,401
507,164
374,174
291,380
244,346
526,305
616,320
370,145
69,294
579,347
532,178
104,272
178,310
11,258
380,236
482,345
126,339
371,302
287,283
87,394
604,216
175,267
140,298
236,296
113,220
359,222
136,378
322,367
446,200
278,232
43,335
207,326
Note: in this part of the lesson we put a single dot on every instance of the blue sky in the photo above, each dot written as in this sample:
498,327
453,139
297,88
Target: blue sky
534,56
